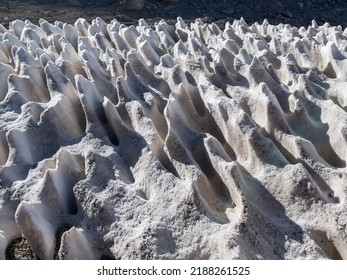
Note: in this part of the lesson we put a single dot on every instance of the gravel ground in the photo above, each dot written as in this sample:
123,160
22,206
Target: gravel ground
298,12
19,249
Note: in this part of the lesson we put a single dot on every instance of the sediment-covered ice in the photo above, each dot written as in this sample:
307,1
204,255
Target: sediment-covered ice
173,142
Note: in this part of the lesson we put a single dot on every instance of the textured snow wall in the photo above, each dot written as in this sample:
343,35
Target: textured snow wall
173,142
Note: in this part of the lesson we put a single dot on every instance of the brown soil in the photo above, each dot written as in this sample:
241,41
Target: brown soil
298,12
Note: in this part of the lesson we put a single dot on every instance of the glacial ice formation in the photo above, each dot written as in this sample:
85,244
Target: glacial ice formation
173,142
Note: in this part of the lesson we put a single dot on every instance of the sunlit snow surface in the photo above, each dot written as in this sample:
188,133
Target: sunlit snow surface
173,142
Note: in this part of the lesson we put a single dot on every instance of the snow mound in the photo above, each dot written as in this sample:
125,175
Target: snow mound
173,142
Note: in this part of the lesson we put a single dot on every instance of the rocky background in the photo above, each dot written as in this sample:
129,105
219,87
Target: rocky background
294,12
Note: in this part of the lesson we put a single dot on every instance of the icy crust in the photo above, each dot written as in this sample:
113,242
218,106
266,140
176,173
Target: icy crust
173,142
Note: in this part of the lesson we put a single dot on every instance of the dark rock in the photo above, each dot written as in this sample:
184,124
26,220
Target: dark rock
171,2
131,5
